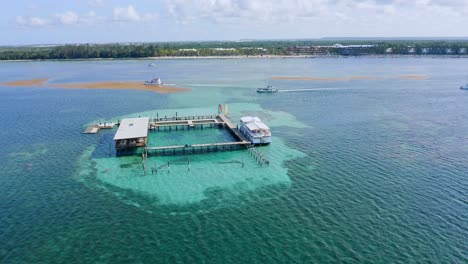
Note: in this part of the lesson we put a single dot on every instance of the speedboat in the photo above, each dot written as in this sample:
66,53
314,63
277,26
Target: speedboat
155,81
268,89
464,87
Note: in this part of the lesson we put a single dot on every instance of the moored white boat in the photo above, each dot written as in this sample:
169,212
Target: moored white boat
255,130
155,81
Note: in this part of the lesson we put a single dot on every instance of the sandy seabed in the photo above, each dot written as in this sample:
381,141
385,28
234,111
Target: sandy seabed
127,85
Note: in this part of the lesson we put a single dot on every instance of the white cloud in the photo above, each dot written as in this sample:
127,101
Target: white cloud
31,21
96,3
255,10
283,18
90,18
126,14
275,11
72,18
452,3
319,18
67,18
129,13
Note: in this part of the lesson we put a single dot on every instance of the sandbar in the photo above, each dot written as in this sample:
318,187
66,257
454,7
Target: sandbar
124,85
27,83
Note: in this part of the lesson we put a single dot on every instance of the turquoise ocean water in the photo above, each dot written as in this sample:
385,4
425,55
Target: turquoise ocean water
372,170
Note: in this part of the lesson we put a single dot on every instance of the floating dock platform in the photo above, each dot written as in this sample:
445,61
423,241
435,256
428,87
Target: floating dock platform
91,129
191,122
131,135
94,128
195,148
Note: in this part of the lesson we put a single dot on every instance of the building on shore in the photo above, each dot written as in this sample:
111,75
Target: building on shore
331,49
353,50
308,50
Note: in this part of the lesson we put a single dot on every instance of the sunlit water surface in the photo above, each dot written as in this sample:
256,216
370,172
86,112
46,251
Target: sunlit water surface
370,170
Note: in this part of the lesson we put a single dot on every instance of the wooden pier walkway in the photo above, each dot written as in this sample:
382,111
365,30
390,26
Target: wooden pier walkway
259,157
188,149
184,123
200,120
191,122
233,129
181,118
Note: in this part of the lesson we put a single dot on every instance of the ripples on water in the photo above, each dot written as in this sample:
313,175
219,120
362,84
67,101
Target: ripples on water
216,176
382,177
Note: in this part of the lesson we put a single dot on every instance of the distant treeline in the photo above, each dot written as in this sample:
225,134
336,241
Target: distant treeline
246,48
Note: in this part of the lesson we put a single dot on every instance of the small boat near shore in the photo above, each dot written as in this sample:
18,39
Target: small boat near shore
268,89
155,81
464,87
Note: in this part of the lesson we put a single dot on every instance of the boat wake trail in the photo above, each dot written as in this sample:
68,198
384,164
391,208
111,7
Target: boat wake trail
210,85
310,90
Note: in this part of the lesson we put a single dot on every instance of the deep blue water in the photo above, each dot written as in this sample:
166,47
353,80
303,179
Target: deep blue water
384,179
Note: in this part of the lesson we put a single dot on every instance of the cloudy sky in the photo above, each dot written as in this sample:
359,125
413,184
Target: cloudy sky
97,21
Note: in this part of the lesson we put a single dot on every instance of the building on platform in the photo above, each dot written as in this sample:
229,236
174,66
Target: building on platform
132,134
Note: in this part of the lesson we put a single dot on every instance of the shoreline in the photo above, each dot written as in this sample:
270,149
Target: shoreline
391,56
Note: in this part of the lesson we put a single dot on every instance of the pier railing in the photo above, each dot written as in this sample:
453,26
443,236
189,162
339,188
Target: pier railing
195,148
190,122
175,118
259,157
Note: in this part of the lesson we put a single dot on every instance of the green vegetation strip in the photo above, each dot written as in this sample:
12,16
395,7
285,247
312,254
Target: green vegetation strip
241,48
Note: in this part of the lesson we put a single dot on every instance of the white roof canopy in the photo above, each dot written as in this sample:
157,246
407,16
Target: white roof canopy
254,123
247,119
252,127
132,128
262,125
